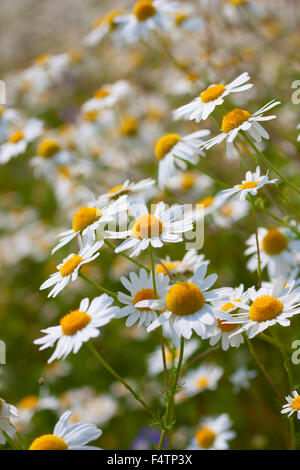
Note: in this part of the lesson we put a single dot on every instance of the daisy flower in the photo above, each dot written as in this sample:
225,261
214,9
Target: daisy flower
19,140
102,27
7,117
141,288
269,306
187,21
66,437
276,251
208,205
205,377
49,155
78,326
68,270
250,185
222,331
213,433
173,151
189,264
147,16
7,412
106,96
155,362
88,219
188,306
164,226
238,120
292,405
230,212
241,378
129,188
200,108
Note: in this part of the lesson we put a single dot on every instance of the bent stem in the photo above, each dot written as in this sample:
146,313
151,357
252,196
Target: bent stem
115,374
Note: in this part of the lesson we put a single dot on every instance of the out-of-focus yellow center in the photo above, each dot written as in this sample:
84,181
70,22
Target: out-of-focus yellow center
226,210
147,226
70,265
47,148
143,10
74,321
188,181
234,119
202,383
184,298
237,2
111,16
165,144
30,401
48,442
165,268
212,93
180,18
296,403
226,327
144,294
206,202
274,242
85,217
265,308
90,116
16,137
129,127
205,438
115,189
42,59
169,355
101,93
248,185
1,111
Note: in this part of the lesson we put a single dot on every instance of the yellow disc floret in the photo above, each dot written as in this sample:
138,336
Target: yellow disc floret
49,442
101,93
212,93
265,308
70,265
28,402
47,148
16,137
144,294
165,268
202,382
147,226
165,144
188,181
184,298
129,127
85,217
205,438
74,321
143,10
274,242
111,16
234,119
206,202
296,403
225,327
248,185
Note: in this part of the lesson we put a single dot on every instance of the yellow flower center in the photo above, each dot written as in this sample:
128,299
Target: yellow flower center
110,17
42,59
265,308
180,18
296,403
205,438
188,181
169,355
229,305
28,402
74,321
274,242
48,442
225,326
144,294
226,210
90,116
165,144
234,119
236,2
248,185
206,202
47,148
129,127
16,137
147,226
70,265
85,217
203,382
143,10
162,268
212,93
101,93
184,298
1,111
115,189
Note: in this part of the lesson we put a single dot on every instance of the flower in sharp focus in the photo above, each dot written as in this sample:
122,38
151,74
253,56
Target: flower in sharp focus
238,120
78,326
166,225
269,306
200,108
66,437
68,270
277,251
141,288
241,378
173,151
292,405
7,412
20,139
250,185
205,377
188,306
213,433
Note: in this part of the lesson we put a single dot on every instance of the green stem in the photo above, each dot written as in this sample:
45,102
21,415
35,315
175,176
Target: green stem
11,442
140,265
115,374
106,291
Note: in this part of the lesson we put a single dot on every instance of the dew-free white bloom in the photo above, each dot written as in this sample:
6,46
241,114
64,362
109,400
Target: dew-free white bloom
200,108
293,405
103,26
107,96
213,433
131,189
78,326
230,212
205,377
250,185
68,270
241,378
19,140
7,412
189,264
